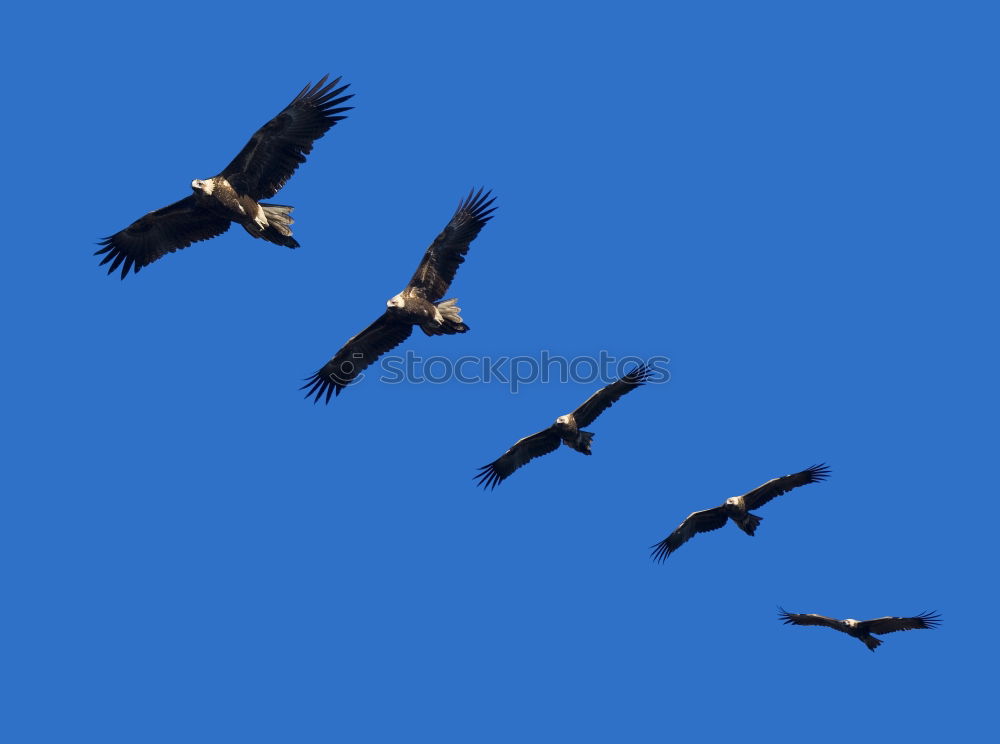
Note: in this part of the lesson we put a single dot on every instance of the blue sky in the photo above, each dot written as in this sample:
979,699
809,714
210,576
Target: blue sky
795,204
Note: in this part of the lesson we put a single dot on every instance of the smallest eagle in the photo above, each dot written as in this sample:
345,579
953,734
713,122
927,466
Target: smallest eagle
863,629
260,170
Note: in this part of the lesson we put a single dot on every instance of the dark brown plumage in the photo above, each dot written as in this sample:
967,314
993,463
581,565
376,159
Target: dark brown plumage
418,305
862,629
277,149
737,509
565,430
262,167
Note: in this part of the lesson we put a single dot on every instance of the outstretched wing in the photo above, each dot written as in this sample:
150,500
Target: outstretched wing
699,521
883,625
600,401
355,356
158,233
777,486
447,252
792,618
524,451
274,152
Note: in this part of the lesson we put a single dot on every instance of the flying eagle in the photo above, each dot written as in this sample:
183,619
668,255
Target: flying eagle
565,430
418,305
862,629
738,509
258,172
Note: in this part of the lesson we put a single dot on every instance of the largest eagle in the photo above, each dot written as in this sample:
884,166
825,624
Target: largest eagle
420,304
260,170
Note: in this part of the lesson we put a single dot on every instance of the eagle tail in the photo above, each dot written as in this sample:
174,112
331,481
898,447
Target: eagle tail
749,523
450,322
582,443
279,222
872,642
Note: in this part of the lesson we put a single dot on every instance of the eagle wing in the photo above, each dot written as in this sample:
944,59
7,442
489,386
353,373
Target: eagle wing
158,233
603,399
524,451
777,486
699,521
792,618
355,356
892,624
442,259
276,149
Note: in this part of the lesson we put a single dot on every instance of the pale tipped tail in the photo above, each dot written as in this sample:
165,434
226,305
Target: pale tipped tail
279,225
448,320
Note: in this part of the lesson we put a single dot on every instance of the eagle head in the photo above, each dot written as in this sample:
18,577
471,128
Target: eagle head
564,420
396,302
205,187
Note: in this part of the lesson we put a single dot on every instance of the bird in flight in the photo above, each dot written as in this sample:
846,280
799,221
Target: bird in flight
737,509
419,304
863,629
566,430
260,170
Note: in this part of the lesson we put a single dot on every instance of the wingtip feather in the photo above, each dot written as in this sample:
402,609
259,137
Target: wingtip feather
661,551
930,619
317,386
639,375
818,472
487,477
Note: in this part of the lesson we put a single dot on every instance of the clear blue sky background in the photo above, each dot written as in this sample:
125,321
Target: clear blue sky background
797,205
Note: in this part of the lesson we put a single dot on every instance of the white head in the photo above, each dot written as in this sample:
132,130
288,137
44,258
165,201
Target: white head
563,420
396,301
850,622
205,187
